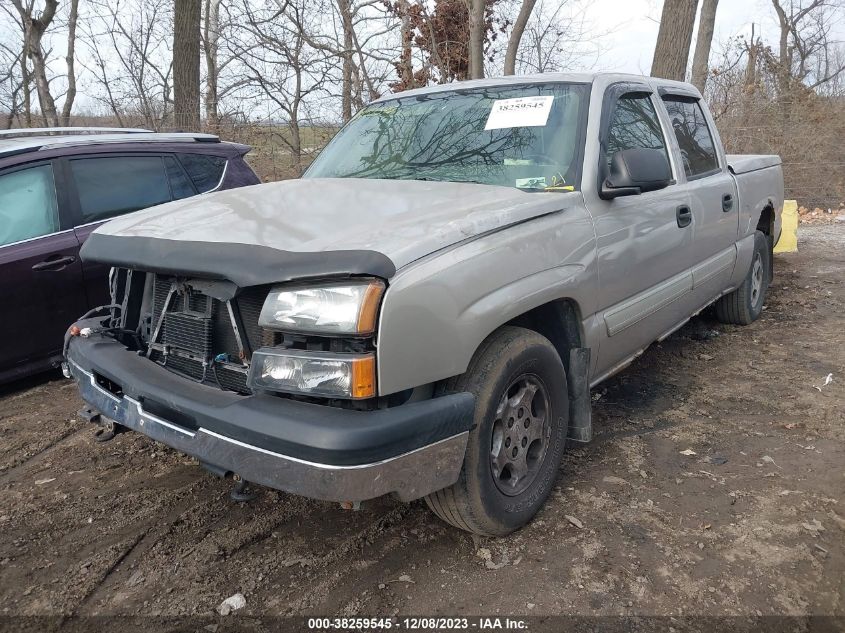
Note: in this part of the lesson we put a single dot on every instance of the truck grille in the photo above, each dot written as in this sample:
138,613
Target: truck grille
197,339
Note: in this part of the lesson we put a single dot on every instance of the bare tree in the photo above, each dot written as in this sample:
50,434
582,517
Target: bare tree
701,58
557,37
283,69
516,35
673,40
211,37
477,32
128,58
34,29
804,44
70,57
186,63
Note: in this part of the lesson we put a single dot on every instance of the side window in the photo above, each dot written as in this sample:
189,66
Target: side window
206,171
180,184
634,125
115,185
693,134
27,204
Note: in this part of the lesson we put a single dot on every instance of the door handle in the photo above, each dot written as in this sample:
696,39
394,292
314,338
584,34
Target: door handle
727,202
54,264
684,214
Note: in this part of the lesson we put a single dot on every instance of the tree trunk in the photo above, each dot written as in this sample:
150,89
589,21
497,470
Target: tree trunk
70,95
784,73
26,82
673,40
406,62
211,37
476,38
345,10
186,64
34,29
516,35
701,58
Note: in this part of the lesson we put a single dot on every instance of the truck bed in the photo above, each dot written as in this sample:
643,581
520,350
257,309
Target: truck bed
744,163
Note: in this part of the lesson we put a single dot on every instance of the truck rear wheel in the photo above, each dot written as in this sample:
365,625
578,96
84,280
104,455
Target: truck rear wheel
745,304
517,438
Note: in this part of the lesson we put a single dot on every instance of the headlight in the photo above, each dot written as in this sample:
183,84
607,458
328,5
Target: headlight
339,308
314,373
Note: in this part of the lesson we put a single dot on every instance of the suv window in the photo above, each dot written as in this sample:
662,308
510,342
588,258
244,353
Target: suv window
693,134
27,204
205,171
113,185
634,125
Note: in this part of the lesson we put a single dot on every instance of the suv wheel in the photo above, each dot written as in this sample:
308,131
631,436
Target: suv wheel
745,304
517,438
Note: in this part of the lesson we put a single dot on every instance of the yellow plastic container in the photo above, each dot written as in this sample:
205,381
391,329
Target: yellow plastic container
788,242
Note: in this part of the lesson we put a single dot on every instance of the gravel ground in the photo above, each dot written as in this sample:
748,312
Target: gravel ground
751,523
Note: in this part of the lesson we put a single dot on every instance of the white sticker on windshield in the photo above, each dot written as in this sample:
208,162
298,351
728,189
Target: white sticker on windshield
519,112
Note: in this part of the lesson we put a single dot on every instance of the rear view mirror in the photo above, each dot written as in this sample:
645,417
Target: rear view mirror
635,171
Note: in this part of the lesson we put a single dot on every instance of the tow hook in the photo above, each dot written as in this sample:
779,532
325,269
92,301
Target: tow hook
107,428
240,492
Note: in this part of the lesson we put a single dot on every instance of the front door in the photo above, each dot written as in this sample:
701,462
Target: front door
40,273
643,241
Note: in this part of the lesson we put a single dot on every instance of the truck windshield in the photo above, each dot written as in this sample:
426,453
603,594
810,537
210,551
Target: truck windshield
527,136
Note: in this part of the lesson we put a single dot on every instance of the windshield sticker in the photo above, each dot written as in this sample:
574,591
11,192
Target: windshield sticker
530,183
519,112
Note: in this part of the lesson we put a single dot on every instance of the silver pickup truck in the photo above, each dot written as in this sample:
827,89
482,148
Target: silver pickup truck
425,312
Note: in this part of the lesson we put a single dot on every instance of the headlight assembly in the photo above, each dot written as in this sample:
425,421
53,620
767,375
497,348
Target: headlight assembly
347,307
349,376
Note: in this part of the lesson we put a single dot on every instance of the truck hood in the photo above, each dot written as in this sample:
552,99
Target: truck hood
312,227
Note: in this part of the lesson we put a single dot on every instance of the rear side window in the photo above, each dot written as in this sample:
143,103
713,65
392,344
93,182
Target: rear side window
205,171
115,185
180,184
634,125
693,134
27,204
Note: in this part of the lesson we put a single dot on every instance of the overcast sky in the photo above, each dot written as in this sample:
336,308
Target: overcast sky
632,28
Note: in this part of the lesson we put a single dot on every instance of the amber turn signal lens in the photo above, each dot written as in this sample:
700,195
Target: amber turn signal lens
363,378
368,312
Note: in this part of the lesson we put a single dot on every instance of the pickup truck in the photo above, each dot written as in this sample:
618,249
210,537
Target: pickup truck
424,313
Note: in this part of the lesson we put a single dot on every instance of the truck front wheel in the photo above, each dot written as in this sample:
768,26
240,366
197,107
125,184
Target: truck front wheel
517,438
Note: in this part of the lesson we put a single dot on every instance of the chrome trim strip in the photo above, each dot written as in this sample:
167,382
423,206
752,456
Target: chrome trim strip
220,183
37,237
154,418
411,475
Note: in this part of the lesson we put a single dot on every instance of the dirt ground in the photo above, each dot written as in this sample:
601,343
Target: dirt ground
715,485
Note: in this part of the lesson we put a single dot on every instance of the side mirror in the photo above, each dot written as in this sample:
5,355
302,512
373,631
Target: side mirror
635,171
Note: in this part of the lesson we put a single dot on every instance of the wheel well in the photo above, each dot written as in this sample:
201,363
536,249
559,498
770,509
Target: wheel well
558,321
766,223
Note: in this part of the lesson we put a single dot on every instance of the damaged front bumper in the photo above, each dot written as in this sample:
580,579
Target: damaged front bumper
312,450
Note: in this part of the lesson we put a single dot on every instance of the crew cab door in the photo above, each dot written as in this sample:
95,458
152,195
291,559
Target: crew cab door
643,241
40,273
712,192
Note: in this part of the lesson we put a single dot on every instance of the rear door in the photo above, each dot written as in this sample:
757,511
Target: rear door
712,194
643,241
104,186
41,281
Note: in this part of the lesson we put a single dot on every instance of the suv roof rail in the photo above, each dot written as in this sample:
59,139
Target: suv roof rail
43,131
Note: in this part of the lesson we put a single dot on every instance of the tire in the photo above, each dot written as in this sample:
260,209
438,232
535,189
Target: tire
516,376
744,305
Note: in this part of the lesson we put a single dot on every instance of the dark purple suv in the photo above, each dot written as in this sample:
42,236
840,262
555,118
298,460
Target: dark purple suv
58,185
